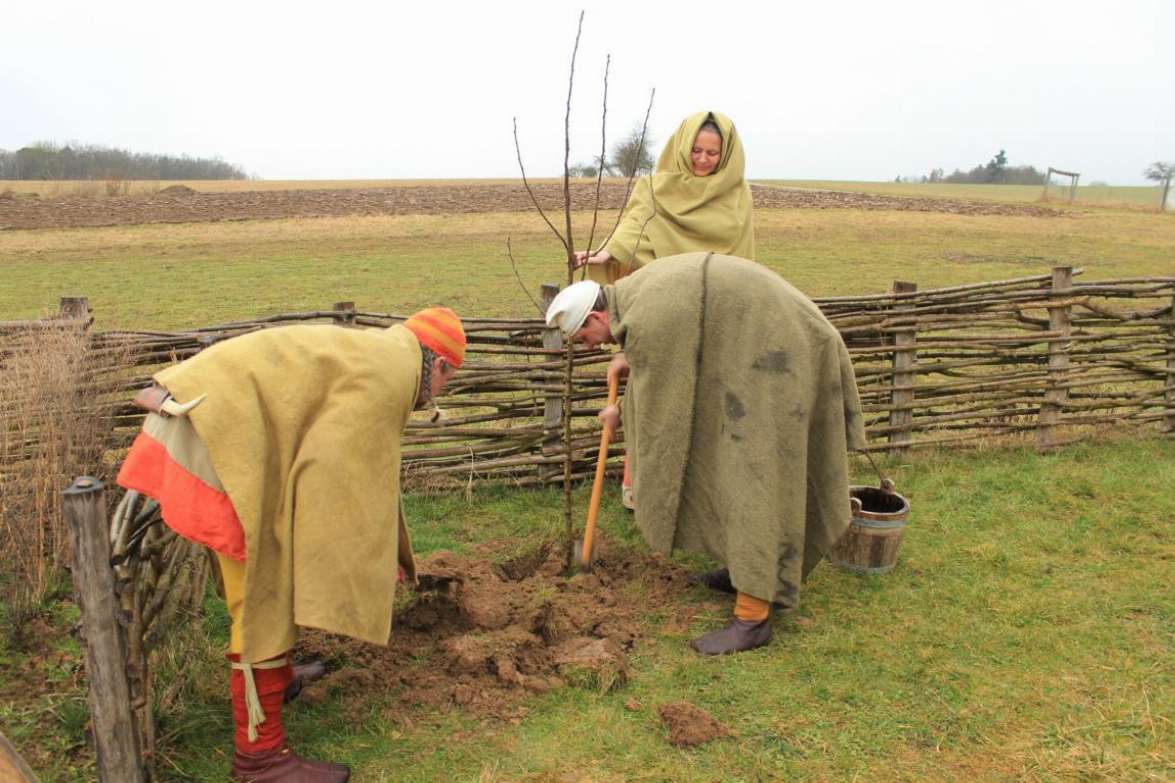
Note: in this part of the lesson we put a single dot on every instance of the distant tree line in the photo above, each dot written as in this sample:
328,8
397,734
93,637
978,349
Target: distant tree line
46,160
995,172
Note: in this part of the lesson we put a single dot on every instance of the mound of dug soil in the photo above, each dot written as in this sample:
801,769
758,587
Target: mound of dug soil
484,632
690,726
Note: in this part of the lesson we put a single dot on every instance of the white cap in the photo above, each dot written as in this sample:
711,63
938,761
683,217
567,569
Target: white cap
570,308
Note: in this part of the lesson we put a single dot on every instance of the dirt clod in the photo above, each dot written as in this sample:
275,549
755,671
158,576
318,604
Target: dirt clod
690,726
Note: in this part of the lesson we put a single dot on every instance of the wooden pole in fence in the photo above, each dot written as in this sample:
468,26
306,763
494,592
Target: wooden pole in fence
1170,380
904,358
75,308
1056,394
552,338
115,738
348,310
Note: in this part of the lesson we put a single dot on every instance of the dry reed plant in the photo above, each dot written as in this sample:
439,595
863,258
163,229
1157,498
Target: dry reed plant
55,424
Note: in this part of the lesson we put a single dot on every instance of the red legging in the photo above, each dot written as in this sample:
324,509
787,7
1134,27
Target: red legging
271,688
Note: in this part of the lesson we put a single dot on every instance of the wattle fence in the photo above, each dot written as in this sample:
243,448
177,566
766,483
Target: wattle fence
1044,355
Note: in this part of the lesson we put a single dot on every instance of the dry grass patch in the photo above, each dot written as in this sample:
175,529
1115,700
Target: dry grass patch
54,426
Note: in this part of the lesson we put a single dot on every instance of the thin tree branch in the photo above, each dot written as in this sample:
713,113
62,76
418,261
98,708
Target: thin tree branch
570,243
522,285
569,366
632,174
533,198
600,164
652,214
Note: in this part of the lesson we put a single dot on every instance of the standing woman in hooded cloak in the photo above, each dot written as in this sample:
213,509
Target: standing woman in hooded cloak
697,200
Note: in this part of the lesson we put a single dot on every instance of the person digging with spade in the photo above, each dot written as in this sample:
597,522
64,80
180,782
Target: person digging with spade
741,408
280,451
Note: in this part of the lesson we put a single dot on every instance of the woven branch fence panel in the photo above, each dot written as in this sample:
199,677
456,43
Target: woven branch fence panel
1043,355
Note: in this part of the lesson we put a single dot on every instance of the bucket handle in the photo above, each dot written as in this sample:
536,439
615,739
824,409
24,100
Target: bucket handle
885,483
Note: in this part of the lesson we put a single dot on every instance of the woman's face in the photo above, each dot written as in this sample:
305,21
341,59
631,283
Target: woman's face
706,152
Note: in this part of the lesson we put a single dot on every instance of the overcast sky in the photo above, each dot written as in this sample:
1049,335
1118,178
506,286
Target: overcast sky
828,90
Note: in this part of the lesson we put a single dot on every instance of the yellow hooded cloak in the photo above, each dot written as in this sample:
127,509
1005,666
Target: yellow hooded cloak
672,211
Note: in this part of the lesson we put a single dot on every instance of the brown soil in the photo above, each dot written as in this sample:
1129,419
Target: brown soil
690,726
173,205
485,632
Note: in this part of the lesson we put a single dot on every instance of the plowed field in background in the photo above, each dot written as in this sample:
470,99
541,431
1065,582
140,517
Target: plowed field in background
182,205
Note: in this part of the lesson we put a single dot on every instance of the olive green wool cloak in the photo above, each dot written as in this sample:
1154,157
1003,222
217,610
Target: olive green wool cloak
303,427
672,211
741,406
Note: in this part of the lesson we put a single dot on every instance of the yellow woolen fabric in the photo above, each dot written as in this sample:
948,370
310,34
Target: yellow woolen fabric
672,211
232,573
303,425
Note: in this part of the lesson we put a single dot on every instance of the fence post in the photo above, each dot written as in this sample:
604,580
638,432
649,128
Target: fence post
552,338
1056,394
75,308
1170,380
904,358
348,313
115,737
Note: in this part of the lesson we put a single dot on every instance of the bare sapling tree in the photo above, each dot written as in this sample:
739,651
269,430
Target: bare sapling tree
568,242
566,239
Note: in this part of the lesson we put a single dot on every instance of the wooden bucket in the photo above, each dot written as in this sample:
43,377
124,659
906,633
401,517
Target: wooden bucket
874,537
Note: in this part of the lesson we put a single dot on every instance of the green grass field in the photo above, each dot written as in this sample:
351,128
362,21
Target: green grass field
1026,633
173,276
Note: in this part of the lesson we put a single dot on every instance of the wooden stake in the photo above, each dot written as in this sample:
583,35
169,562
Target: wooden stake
904,358
75,308
1170,381
1057,393
552,339
115,737
348,311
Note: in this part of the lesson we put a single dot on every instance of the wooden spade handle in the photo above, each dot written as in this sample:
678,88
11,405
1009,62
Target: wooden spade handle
589,531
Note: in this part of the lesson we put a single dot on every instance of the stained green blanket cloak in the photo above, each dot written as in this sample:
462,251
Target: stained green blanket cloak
741,406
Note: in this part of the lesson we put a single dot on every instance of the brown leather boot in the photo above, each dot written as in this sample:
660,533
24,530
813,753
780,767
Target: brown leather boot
304,674
285,766
740,635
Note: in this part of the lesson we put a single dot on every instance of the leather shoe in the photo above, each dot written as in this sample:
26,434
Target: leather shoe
285,766
740,635
715,580
304,674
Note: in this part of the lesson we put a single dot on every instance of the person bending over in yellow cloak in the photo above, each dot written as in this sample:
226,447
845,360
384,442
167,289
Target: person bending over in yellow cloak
280,450
697,200
741,408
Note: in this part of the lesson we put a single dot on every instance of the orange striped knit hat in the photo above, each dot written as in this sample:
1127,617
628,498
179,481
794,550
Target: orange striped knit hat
440,329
